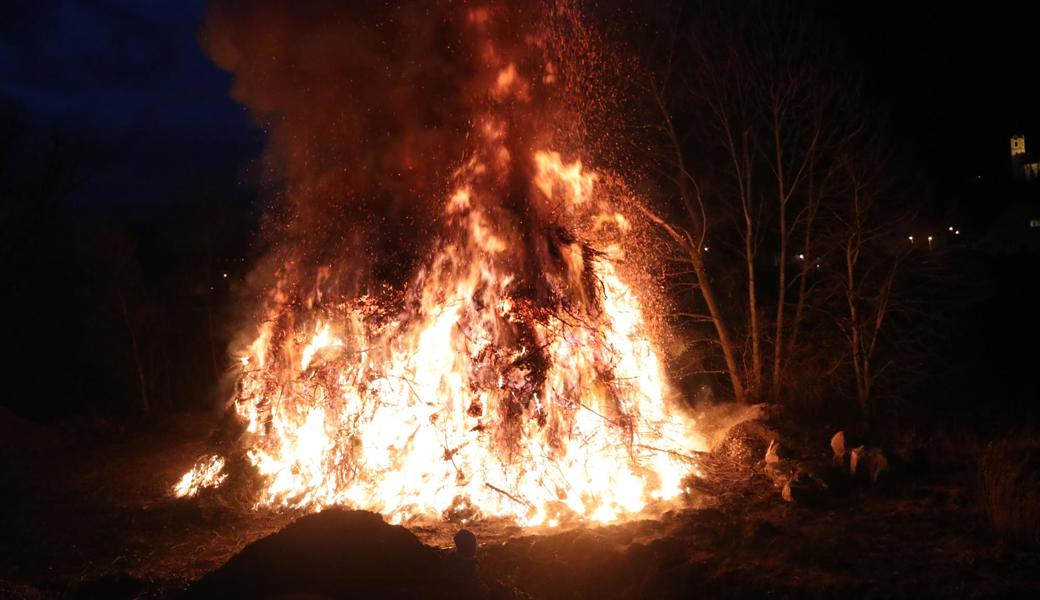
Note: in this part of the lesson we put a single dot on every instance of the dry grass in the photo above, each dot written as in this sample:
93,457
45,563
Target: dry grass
1009,474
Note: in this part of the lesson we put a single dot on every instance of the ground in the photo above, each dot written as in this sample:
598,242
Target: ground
89,514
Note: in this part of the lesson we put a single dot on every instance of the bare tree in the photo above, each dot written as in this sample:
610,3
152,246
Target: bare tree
767,117
867,290
756,127
121,254
869,271
874,258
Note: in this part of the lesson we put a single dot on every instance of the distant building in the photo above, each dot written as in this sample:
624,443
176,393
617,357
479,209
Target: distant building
1018,144
1004,213
1023,166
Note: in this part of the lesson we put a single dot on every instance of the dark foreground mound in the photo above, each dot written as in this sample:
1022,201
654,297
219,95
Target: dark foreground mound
339,554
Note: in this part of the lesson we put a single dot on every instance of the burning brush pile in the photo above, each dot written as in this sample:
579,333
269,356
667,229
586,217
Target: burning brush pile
453,321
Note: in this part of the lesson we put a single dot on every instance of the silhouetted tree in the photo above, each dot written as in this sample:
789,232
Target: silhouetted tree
755,128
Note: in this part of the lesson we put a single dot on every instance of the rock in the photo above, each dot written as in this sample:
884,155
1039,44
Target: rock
855,457
336,553
838,446
772,453
465,543
805,488
867,463
779,473
877,463
461,568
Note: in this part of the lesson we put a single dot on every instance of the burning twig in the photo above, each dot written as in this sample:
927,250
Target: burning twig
600,415
508,495
666,451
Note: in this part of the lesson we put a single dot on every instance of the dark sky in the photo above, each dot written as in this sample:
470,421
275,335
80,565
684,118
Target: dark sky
128,76
117,68
129,73
957,78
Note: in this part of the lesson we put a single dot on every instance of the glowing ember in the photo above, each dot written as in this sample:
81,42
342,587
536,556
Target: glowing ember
207,472
514,375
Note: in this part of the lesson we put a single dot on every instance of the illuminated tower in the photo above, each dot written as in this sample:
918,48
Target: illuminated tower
1018,155
1018,144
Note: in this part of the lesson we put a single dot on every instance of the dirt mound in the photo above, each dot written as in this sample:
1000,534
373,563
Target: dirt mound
335,553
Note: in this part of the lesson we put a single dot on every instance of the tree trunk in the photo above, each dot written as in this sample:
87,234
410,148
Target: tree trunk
693,250
803,276
725,341
755,382
729,351
142,380
781,299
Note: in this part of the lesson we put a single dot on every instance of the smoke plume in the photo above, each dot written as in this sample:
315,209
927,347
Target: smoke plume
371,107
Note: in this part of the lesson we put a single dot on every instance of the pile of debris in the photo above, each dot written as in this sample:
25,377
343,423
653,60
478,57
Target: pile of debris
346,554
761,448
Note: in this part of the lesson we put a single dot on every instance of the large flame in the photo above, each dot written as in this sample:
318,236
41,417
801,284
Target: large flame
466,394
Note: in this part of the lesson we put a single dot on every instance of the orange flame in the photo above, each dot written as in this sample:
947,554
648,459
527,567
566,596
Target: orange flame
420,416
468,399
207,472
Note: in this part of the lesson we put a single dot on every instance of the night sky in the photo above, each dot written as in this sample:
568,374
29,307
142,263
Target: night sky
957,80
129,74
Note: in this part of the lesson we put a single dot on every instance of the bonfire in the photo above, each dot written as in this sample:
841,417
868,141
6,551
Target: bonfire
514,373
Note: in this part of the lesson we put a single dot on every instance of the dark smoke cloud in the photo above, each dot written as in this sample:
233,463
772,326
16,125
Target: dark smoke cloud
367,109
370,108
